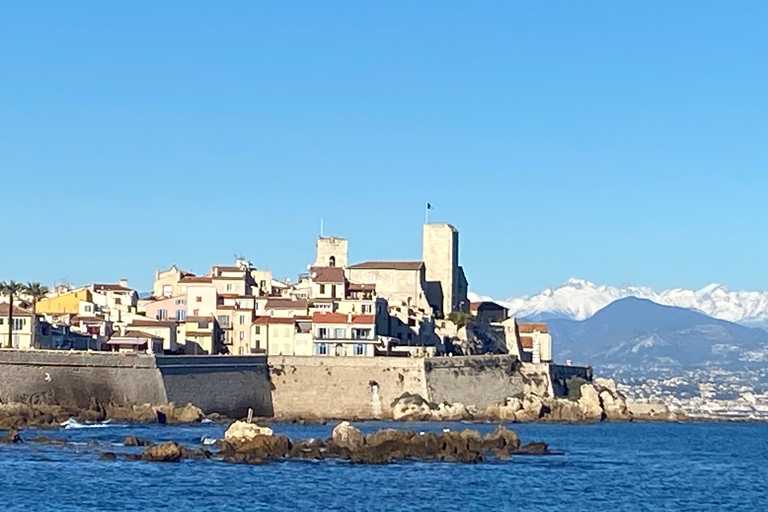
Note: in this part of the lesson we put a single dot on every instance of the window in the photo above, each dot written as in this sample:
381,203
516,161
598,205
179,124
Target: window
202,325
223,321
167,290
229,287
262,284
286,349
181,315
87,308
338,333
198,299
18,323
257,330
242,319
359,349
333,290
286,332
367,309
321,349
256,306
242,335
322,333
162,314
195,312
322,289
332,261
361,334
118,301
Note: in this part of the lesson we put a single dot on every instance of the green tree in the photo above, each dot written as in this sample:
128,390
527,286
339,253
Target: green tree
10,289
36,291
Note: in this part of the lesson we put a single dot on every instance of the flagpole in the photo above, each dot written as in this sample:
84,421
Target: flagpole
426,214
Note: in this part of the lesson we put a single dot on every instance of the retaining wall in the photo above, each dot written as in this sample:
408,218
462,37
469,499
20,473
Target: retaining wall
342,387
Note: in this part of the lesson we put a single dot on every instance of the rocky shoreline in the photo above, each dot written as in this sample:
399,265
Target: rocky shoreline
248,443
587,402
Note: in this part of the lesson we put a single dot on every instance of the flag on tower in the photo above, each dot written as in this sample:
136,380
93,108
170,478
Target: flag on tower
429,206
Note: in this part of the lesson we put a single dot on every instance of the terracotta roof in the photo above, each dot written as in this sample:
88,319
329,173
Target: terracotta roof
16,311
274,320
529,328
229,268
363,319
329,318
526,342
327,274
195,279
229,295
284,303
388,265
111,287
361,287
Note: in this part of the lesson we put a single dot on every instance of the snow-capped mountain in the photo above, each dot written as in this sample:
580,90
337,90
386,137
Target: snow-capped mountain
578,299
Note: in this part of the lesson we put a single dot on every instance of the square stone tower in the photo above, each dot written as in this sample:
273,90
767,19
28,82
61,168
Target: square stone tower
331,252
446,284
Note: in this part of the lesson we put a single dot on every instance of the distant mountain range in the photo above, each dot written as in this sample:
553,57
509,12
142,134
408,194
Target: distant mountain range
640,334
578,300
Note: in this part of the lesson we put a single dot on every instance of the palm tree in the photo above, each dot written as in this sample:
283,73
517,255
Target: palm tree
11,289
36,291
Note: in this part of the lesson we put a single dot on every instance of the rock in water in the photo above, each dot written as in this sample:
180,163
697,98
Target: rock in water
135,441
11,437
188,414
534,448
164,452
501,438
242,432
108,456
347,436
589,403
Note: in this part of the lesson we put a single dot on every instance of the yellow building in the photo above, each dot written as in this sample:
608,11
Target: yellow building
68,302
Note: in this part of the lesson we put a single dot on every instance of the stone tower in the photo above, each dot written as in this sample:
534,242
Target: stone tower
446,284
331,252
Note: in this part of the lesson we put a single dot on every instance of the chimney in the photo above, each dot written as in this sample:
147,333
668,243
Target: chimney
124,282
122,329
349,318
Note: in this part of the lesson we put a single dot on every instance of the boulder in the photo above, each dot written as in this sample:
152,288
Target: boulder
614,405
534,448
531,410
449,412
564,410
265,447
242,432
501,438
409,407
345,435
108,456
163,452
187,414
135,441
602,383
589,403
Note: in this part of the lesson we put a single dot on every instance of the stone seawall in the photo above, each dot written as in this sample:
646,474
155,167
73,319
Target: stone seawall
475,381
342,387
284,386
227,385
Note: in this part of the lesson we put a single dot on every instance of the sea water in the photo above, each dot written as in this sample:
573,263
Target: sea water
608,466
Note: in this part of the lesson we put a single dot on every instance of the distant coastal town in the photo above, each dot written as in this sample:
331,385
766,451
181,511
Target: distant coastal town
334,309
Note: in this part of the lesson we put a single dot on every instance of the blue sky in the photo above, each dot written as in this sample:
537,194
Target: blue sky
612,141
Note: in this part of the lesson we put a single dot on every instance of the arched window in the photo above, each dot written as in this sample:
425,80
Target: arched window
332,261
